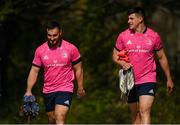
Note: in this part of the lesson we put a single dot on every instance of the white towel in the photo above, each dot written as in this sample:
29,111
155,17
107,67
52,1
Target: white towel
126,80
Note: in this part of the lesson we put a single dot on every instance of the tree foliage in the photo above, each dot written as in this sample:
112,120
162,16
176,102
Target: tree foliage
91,25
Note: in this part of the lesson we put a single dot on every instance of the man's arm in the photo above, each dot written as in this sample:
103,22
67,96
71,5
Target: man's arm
32,78
165,66
116,59
78,70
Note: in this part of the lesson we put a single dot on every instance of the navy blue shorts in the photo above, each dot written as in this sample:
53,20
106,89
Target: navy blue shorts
142,89
60,98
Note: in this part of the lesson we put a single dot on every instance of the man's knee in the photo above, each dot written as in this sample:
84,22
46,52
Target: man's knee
145,112
51,117
60,118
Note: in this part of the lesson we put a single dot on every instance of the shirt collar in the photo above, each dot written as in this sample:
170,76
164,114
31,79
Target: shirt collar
132,31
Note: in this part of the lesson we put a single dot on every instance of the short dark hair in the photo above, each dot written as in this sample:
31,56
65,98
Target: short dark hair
52,25
138,10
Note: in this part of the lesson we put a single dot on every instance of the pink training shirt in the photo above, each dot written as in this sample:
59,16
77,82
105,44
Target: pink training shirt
57,64
141,47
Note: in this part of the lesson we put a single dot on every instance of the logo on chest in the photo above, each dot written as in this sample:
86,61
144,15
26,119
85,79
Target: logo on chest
45,57
149,42
129,42
64,55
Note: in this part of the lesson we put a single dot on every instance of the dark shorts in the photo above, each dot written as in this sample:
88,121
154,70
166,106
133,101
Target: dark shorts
60,98
142,89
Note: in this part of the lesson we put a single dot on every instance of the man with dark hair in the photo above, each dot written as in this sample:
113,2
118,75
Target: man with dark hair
141,43
61,62
138,10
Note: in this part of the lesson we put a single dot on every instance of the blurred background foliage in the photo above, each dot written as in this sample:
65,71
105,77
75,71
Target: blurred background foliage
93,26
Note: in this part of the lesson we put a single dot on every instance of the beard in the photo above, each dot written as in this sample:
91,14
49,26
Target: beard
54,43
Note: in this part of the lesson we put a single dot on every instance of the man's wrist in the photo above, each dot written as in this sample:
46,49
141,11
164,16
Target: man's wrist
80,88
169,78
122,63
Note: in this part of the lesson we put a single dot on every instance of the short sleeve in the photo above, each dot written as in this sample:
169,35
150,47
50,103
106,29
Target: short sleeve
37,58
119,43
158,43
75,55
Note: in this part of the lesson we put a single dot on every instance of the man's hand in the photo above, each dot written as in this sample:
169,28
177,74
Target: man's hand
125,65
124,60
28,93
170,86
80,92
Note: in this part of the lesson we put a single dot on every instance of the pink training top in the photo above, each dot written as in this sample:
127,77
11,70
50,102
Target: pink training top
141,47
57,64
